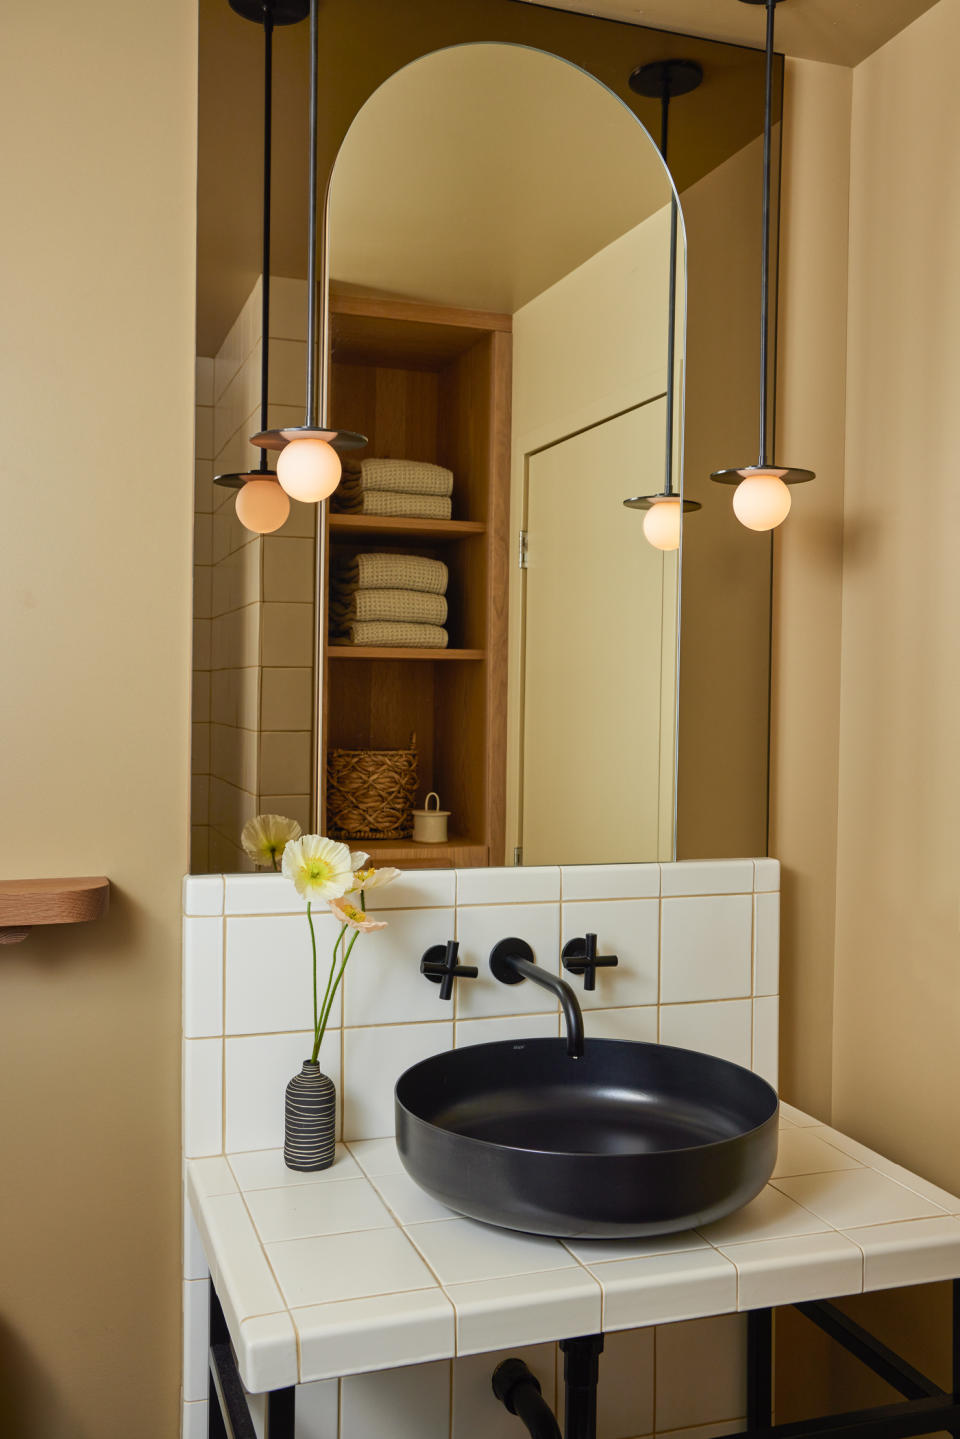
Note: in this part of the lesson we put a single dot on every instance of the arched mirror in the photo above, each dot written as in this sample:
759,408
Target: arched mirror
499,252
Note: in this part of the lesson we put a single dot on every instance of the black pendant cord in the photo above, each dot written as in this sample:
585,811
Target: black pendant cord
265,248
764,460
311,420
672,292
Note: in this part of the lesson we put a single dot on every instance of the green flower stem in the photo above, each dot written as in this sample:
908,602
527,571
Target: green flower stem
325,1013
326,994
313,945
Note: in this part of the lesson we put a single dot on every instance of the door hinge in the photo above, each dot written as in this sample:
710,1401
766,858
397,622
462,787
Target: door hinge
522,550
518,854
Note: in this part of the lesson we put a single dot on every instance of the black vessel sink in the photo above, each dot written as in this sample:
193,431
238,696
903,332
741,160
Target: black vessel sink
631,1139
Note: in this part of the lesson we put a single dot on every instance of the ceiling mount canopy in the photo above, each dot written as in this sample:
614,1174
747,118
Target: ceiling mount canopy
308,466
664,80
761,500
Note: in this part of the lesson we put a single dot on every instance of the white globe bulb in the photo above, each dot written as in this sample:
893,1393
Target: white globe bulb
661,524
262,506
761,501
309,469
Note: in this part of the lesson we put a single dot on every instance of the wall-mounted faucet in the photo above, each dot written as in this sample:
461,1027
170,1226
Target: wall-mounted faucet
512,961
440,966
580,957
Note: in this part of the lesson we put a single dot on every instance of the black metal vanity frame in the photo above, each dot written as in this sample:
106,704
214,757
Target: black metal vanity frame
926,1408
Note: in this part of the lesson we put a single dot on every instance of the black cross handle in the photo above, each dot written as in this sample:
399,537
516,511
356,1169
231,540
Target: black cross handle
440,966
580,957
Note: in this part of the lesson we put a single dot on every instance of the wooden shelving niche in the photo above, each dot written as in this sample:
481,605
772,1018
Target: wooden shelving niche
431,383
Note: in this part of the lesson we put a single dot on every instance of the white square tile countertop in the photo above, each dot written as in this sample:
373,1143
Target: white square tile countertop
355,1269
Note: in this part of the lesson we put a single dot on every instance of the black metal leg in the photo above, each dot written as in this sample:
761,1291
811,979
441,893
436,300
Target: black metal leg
759,1369
581,1374
281,1414
216,1429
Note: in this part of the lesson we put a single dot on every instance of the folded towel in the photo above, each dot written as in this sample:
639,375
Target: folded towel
405,606
411,477
352,499
380,571
383,633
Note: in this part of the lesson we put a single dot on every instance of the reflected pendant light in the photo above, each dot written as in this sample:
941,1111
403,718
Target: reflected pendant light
308,466
662,80
262,506
761,500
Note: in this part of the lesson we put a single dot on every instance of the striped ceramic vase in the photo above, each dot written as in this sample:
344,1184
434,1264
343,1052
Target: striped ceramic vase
309,1121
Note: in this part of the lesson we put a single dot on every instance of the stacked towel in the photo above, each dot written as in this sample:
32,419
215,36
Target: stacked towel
410,489
389,600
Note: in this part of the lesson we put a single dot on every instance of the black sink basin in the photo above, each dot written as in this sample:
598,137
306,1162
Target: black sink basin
631,1139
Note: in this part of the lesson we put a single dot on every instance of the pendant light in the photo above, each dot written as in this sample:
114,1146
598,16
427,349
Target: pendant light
662,80
262,506
308,466
761,500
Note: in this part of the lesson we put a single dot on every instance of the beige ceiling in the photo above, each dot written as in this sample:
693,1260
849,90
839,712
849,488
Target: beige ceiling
479,176
843,32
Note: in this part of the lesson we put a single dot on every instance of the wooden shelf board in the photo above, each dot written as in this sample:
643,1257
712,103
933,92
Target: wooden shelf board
453,853
28,902
377,526
396,652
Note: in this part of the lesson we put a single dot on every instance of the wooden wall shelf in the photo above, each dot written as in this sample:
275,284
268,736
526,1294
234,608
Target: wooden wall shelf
375,527
396,652
25,903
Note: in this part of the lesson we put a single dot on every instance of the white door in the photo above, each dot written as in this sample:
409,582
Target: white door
599,643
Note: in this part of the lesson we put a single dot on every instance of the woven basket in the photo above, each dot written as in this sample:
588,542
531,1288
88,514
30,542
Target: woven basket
370,792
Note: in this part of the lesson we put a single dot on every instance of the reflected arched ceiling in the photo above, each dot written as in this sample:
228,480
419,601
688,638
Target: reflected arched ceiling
480,175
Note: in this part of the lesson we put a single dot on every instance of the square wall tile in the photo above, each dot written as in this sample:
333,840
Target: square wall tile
287,634
610,881
711,876
706,947
202,975
203,894
714,1350
523,884
637,1024
766,943
722,1028
383,985
288,570
477,1413
287,699
267,893
318,1410
194,1259
374,1059
193,1423
479,928
352,1335
202,1097
625,1398
628,928
258,1069
417,889
270,972
285,761
766,1039
515,1027
408,1403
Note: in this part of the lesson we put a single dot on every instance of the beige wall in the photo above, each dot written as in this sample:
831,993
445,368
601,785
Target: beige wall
805,707
97,274
871,1021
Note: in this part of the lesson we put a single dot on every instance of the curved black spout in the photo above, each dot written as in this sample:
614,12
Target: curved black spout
520,1393
512,961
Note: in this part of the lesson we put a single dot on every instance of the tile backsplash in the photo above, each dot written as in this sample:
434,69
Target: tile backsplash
698,966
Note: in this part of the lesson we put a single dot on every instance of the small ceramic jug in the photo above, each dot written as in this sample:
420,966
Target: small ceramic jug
430,825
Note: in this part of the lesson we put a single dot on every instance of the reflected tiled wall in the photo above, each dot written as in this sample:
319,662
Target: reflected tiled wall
253,688
699,966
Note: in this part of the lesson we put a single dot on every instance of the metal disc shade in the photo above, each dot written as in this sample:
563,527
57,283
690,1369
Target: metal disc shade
237,481
277,12
647,502
337,439
788,476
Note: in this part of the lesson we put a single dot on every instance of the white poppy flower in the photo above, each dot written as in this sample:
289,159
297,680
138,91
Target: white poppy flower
319,868
265,836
